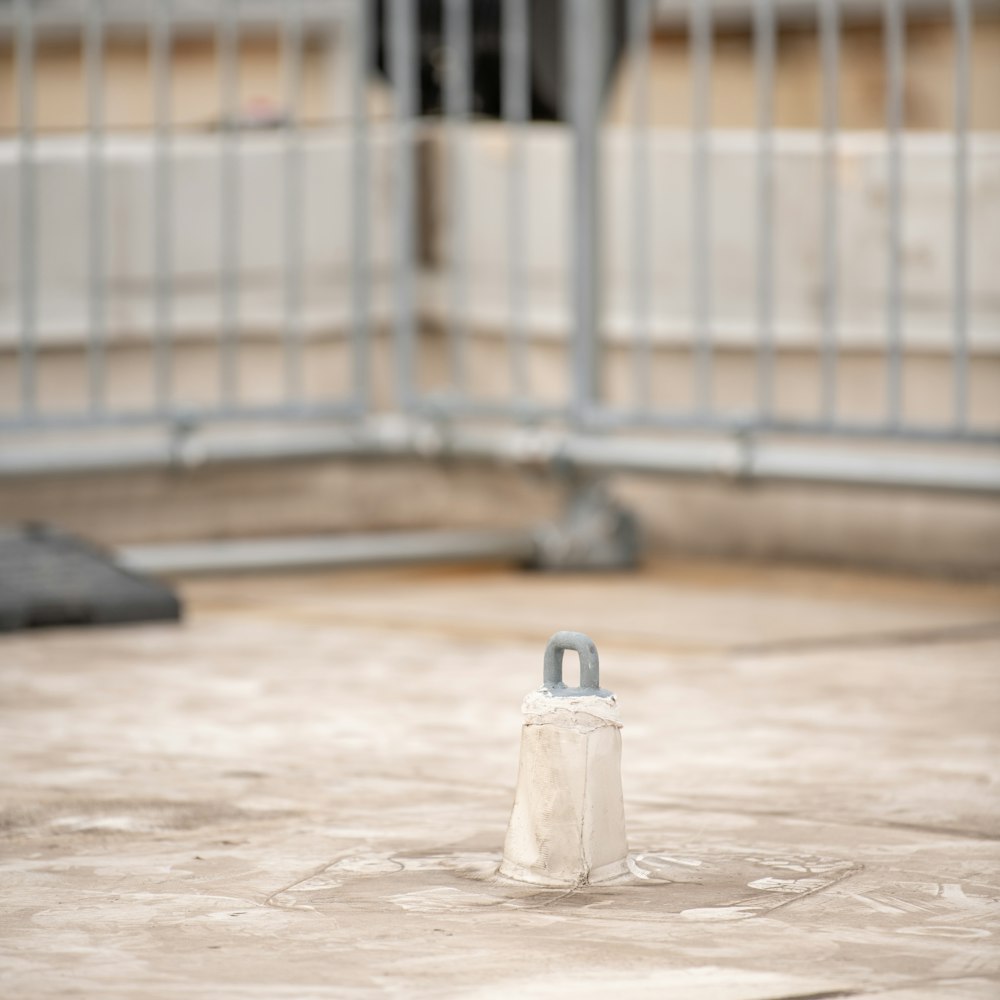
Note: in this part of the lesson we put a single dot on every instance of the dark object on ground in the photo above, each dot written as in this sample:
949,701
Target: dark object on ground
48,578
547,28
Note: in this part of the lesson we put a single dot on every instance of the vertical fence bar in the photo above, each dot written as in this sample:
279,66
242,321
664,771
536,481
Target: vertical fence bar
229,201
516,111
402,59
93,61
360,215
585,37
292,180
894,40
962,28
161,39
27,208
700,34
457,105
638,27
829,21
764,56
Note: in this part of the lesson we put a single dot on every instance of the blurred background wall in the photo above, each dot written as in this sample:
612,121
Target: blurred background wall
262,99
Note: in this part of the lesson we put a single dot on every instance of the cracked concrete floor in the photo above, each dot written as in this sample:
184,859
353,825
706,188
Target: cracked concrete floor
302,790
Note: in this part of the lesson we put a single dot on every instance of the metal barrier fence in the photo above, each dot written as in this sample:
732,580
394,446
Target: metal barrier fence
480,216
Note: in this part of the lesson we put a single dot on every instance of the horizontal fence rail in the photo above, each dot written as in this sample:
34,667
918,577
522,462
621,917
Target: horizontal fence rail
455,212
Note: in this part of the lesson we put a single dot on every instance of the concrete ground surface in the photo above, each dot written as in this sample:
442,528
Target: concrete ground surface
302,791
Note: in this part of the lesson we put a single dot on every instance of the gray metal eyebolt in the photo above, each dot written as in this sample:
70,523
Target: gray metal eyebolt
590,666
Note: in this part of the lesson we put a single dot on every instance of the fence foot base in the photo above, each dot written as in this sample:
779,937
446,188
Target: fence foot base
595,533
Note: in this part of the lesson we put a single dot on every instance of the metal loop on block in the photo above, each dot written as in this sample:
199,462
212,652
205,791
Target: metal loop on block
590,665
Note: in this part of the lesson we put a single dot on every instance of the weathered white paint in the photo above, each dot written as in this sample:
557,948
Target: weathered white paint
62,240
